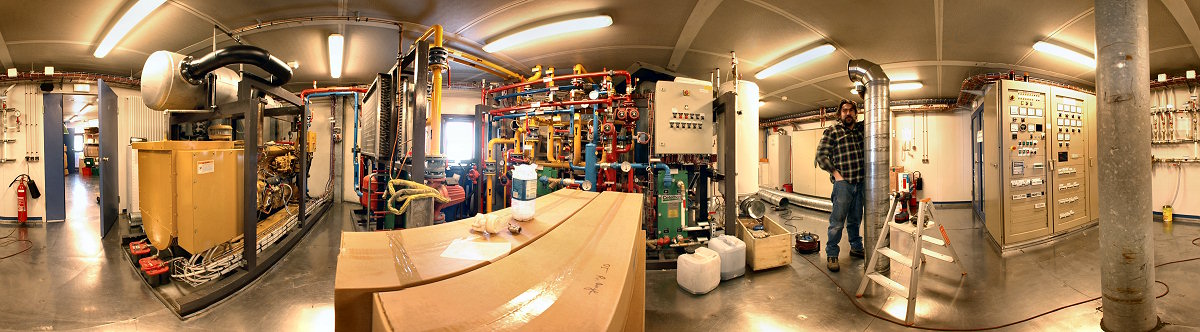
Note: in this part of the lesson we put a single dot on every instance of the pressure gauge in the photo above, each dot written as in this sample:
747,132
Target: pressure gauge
594,94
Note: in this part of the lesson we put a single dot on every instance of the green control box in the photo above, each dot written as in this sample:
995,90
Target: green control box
672,205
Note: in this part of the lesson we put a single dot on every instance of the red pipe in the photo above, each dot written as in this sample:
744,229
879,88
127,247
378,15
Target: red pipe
628,79
609,101
335,89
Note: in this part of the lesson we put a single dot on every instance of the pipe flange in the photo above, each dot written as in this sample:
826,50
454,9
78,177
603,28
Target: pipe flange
184,66
438,56
435,168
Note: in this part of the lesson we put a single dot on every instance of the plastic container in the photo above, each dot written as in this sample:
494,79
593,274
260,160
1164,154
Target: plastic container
699,273
733,255
524,191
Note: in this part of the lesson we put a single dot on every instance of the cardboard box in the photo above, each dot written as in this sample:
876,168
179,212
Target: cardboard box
579,277
370,262
763,253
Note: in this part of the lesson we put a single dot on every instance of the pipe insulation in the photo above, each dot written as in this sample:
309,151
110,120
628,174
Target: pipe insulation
877,150
1126,236
780,198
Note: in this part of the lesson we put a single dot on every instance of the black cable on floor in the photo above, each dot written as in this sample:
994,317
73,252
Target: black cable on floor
864,310
8,241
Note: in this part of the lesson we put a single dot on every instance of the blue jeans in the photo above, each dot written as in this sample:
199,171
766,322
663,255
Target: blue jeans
847,212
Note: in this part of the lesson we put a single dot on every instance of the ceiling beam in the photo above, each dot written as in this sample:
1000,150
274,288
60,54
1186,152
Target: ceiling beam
938,11
1060,29
197,13
695,22
5,57
797,20
951,63
1183,15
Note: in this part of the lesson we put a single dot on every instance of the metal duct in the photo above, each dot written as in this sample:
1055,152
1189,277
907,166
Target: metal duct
877,149
780,198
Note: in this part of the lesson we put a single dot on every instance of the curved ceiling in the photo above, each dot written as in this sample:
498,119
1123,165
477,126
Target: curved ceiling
937,42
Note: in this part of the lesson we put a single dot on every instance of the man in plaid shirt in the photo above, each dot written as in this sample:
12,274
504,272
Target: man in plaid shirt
841,154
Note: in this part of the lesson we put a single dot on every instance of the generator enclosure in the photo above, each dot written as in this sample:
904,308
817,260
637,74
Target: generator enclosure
191,192
1035,161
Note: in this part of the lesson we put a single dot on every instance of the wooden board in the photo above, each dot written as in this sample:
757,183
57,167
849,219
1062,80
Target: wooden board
370,262
771,251
576,278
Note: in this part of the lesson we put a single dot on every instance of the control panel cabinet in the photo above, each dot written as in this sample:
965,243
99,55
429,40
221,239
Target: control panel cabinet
1038,165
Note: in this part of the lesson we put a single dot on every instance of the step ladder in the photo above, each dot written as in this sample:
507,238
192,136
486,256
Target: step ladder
913,260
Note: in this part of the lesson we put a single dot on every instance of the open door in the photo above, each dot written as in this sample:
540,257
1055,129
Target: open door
106,105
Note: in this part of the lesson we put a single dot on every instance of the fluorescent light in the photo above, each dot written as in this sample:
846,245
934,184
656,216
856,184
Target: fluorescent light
902,86
49,71
762,103
1065,53
796,60
547,30
131,18
337,45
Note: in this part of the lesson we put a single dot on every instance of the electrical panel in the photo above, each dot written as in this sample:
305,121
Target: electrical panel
1038,167
683,122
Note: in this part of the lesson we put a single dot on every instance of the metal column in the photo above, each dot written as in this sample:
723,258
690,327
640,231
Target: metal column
252,110
1123,100
726,106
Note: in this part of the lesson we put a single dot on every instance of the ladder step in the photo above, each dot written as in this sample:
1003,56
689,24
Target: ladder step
891,285
937,255
896,256
934,240
905,227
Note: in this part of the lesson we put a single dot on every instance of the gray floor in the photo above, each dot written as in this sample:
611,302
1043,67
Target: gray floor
72,280
996,291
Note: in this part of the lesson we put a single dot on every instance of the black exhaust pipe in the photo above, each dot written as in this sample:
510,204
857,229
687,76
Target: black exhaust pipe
195,70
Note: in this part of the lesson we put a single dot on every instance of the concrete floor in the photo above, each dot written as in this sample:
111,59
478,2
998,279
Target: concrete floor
72,280
997,290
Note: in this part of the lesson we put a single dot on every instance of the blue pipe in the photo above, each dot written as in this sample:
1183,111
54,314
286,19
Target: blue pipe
535,91
357,190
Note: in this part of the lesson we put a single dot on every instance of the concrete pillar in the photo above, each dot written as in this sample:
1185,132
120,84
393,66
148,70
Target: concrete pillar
1123,118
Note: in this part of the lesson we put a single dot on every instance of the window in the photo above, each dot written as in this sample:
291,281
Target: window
78,143
458,139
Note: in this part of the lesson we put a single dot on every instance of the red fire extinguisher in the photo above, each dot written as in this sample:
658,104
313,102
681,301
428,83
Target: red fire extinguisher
22,200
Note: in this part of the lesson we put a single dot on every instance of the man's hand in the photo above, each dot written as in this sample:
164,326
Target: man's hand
837,176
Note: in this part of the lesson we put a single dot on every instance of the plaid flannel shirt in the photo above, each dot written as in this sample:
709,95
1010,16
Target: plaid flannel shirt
841,149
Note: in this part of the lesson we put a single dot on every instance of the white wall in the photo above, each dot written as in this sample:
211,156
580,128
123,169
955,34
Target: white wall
1166,177
947,175
28,100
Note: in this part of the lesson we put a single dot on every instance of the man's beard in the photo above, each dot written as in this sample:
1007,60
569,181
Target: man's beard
848,120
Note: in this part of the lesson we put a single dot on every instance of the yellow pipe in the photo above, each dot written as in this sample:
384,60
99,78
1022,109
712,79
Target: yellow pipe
537,74
503,71
575,157
435,109
492,146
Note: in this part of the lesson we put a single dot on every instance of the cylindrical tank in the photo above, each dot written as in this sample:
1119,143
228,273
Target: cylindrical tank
746,138
164,87
524,191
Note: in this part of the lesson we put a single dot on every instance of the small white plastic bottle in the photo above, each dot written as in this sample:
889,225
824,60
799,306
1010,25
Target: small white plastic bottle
524,191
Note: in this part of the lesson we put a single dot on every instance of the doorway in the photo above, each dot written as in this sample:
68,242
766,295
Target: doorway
85,126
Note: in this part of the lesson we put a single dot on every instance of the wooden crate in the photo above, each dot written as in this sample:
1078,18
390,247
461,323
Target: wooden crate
763,253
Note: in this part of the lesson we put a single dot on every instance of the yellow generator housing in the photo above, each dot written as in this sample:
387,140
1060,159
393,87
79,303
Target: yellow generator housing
190,192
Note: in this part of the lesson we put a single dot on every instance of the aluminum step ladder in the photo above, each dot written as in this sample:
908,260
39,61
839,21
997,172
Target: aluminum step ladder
915,259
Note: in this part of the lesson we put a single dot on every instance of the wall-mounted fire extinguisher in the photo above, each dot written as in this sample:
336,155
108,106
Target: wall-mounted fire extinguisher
22,200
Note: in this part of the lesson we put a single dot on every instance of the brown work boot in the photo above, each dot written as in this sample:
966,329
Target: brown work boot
832,264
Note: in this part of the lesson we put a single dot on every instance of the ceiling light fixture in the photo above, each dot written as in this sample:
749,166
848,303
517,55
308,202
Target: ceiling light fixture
904,86
796,60
337,45
547,30
762,103
1065,53
131,18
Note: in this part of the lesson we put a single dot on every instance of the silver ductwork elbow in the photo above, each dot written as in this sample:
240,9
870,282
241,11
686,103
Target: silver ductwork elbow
875,92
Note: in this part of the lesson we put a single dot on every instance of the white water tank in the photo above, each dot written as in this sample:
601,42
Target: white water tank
746,138
733,255
779,160
699,273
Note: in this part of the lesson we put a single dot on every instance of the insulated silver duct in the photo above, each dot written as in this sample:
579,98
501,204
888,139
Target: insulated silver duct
877,149
780,198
